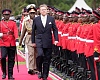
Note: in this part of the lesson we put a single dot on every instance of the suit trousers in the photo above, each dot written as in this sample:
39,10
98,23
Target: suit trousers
31,57
43,61
10,52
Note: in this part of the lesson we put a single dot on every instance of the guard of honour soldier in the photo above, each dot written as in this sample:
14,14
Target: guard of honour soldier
79,37
8,43
78,34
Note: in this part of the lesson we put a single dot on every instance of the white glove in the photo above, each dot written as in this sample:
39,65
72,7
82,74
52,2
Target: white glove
96,58
1,34
56,42
17,43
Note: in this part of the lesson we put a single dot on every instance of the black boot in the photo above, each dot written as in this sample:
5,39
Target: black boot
10,77
3,65
4,76
10,67
40,75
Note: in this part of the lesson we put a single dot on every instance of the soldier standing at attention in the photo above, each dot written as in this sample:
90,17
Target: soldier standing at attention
8,43
31,51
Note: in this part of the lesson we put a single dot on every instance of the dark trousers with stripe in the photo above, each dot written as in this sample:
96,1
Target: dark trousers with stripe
92,67
10,53
98,69
74,57
82,61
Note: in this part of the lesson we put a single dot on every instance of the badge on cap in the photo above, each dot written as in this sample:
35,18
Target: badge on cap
6,12
32,10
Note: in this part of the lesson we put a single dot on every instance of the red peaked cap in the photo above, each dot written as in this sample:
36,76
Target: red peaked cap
6,11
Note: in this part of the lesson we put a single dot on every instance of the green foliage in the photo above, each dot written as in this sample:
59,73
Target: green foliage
62,6
89,2
18,5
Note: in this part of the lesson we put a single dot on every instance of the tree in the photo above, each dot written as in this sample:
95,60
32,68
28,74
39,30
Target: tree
93,3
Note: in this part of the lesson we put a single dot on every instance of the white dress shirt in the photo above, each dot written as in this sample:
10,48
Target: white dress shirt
44,19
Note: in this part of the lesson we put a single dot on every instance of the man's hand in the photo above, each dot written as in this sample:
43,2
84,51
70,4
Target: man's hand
17,45
33,44
56,42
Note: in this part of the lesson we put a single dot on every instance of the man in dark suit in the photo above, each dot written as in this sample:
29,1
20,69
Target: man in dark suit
42,28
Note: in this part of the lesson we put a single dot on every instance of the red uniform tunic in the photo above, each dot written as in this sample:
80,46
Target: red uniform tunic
89,47
77,37
96,31
90,41
56,21
96,34
65,36
70,34
60,27
73,40
82,38
10,33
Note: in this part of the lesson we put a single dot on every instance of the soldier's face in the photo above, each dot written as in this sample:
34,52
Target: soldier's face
32,15
92,18
6,16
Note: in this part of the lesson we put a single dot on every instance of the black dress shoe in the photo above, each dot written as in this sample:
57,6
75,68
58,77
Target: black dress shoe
4,76
40,75
11,78
31,72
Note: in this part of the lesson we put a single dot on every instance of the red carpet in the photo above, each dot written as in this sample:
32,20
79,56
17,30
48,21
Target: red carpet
23,75
20,59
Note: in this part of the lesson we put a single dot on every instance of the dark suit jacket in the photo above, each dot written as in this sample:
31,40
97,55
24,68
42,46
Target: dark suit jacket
41,35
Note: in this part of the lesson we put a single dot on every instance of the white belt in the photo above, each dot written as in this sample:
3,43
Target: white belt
84,40
81,39
89,41
77,37
71,37
65,34
96,58
59,32
61,35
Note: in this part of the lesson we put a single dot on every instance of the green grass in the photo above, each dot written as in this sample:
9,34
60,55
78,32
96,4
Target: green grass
20,63
20,48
